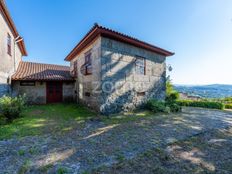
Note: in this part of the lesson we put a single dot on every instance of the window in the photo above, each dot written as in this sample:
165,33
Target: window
86,69
87,94
140,66
74,71
140,94
9,44
27,83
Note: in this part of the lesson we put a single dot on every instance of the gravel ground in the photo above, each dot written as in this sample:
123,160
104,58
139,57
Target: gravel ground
101,145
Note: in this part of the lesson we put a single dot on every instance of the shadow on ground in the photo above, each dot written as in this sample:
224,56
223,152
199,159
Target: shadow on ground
190,141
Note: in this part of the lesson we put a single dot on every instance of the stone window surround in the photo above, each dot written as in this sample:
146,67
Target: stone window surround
87,67
140,65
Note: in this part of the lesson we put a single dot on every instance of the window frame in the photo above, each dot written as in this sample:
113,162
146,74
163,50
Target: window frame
140,66
141,94
87,67
74,72
87,94
27,83
9,44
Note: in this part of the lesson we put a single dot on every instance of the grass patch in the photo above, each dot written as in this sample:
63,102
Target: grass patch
62,170
25,167
37,120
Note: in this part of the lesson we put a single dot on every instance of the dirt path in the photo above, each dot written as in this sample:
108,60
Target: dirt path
98,144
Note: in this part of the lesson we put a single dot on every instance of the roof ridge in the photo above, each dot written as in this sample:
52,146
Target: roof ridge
38,63
126,35
39,71
99,30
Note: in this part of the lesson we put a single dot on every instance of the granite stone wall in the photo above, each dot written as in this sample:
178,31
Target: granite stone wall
68,91
122,88
87,86
35,94
114,86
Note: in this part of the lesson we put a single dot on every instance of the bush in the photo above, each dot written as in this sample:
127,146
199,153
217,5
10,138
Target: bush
228,106
157,106
171,102
172,97
203,104
174,107
11,107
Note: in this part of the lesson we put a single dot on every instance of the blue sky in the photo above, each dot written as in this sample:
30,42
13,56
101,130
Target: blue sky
198,31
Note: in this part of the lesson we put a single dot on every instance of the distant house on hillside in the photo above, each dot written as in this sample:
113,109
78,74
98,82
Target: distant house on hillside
186,96
116,72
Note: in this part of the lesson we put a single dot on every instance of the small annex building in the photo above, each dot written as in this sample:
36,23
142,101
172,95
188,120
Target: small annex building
43,83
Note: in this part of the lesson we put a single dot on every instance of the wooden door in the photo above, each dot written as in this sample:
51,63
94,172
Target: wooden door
54,92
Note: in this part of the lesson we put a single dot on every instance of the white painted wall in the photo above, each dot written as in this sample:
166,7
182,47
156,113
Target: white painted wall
7,67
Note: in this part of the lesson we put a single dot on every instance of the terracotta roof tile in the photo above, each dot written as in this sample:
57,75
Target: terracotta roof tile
39,71
98,30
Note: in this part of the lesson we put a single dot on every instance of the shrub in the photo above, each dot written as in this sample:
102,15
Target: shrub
228,106
157,106
172,97
11,107
170,102
203,104
174,107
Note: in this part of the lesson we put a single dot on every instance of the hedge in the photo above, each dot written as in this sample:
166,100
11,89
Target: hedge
202,104
228,106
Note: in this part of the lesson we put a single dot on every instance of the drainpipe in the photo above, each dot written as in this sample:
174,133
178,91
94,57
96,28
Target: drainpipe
16,40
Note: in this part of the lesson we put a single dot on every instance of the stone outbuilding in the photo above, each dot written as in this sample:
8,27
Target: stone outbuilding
115,72
43,83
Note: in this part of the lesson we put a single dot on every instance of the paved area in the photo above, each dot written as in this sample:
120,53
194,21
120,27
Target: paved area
97,144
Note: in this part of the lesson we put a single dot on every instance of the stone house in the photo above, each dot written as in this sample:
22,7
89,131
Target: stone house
109,72
12,49
115,72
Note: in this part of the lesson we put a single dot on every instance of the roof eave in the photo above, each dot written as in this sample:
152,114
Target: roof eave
101,31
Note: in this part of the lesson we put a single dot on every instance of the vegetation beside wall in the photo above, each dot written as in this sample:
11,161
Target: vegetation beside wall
169,105
11,107
202,104
227,101
228,106
223,103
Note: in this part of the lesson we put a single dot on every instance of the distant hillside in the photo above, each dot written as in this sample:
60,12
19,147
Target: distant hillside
206,91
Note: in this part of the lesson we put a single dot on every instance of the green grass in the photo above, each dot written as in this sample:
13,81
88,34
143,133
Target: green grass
37,120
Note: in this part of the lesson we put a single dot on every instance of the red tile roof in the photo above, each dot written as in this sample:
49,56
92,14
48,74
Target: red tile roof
40,72
97,31
6,15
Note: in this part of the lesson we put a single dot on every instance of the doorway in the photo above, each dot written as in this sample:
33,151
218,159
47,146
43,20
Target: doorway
54,92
